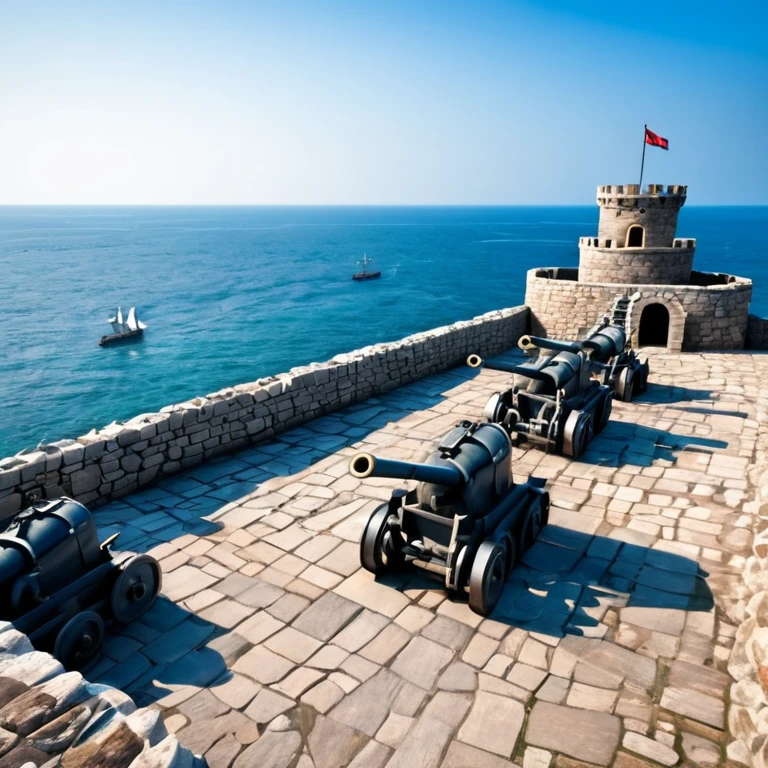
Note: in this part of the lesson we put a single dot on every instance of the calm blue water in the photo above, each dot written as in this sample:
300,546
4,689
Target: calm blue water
232,294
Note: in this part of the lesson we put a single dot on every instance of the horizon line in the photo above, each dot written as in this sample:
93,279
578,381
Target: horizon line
350,205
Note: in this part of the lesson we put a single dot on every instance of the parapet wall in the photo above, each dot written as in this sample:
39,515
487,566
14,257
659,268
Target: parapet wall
670,266
757,333
701,316
122,458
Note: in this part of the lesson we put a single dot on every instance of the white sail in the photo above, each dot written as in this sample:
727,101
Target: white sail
119,316
141,325
131,321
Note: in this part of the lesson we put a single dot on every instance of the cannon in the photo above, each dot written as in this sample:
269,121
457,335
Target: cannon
467,521
554,400
58,583
613,360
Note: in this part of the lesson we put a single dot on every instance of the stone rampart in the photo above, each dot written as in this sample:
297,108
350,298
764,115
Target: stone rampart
701,316
52,717
121,458
757,332
667,266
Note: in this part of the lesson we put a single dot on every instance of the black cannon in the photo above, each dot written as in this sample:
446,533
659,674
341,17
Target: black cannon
467,521
57,583
554,400
615,361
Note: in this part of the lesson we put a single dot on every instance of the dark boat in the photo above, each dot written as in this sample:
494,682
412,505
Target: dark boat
365,274
132,328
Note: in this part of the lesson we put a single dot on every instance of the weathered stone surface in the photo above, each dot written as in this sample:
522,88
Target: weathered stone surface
117,751
695,705
8,740
57,735
649,748
167,752
366,708
463,756
493,724
449,708
267,705
458,677
589,736
332,744
272,750
423,745
421,661
324,618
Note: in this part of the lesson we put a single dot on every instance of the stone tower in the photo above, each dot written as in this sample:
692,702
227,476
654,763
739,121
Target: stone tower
636,240
636,250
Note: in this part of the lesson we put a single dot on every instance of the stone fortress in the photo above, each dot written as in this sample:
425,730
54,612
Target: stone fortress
636,249
638,635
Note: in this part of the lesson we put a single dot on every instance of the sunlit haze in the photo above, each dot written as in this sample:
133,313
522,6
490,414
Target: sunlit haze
378,102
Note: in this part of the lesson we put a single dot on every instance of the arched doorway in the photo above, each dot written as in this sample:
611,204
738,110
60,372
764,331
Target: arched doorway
654,326
635,236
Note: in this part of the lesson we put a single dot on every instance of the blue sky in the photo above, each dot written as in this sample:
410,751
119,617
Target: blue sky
386,102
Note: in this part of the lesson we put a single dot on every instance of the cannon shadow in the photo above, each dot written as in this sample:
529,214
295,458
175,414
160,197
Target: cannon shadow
182,504
162,652
623,442
668,393
567,582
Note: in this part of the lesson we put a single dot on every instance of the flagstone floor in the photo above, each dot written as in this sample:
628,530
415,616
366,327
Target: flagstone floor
271,647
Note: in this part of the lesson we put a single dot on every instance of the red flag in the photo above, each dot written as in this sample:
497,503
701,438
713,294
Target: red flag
655,141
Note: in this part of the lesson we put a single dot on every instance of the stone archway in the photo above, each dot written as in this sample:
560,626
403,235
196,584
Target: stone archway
635,236
677,316
654,326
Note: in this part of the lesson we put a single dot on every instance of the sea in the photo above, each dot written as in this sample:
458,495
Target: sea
231,294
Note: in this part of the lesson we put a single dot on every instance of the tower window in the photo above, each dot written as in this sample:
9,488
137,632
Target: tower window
635,236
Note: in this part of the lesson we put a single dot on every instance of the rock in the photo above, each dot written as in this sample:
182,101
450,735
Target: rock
458,677
24,754
109,697
373,755
30,668
326,616
536,758
41,704
589,736
168,753
267,705
14,643
272,750
649,748
695,705
280,723
394,729
493,723
700,750
59,734
367,707
423,745
117,751
739,752
449,708
463,756
8,741
421,660
148,725
333,745
223,752
10,689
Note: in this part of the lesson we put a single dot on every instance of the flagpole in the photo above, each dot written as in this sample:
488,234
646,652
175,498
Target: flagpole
642,162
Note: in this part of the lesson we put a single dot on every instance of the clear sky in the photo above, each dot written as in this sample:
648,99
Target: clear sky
379,101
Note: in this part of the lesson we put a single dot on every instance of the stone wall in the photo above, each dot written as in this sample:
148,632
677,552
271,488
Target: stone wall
656,210
52,717
120,458
748,664
714,316
757,332
666,266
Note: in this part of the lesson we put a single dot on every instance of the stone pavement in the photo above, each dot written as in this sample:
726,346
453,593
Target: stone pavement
273,648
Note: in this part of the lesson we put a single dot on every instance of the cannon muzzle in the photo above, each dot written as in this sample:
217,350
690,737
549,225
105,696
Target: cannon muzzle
531,342
474,361
366,465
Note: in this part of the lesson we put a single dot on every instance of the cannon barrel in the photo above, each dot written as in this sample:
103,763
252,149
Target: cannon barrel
529,342
606,343
366,465
475,361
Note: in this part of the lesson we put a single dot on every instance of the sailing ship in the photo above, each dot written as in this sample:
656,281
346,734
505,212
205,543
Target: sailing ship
130,328
365,274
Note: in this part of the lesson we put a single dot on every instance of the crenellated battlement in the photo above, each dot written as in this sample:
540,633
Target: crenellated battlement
686,243
633,190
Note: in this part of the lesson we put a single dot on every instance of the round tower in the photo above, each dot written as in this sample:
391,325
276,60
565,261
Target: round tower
636,251
636,240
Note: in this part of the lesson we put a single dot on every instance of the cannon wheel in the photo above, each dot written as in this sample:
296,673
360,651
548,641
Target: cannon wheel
577,433
512,551
377,552
492,410
136,588
626,384
603,414
535,520
79,640
489,571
